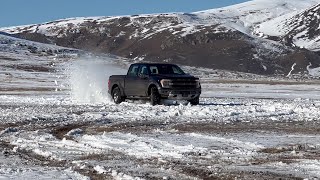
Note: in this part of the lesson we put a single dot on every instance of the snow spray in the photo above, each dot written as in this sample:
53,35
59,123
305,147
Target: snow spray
89,80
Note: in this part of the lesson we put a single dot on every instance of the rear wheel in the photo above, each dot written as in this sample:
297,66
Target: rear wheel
154,96
194,101
116,95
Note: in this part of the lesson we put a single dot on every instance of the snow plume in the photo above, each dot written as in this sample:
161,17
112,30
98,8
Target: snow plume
89,79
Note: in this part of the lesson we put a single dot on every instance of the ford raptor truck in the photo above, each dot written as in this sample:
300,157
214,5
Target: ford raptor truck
154,82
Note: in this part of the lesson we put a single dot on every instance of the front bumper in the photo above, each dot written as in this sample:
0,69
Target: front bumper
179,94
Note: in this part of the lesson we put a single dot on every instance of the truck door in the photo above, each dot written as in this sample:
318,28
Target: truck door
131,80
143,81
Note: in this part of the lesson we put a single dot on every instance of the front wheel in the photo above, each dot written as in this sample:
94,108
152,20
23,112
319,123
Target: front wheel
194,101
154,96
116,95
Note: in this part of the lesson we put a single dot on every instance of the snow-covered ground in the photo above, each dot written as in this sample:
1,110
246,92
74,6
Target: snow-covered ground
137,140
58,122
85,135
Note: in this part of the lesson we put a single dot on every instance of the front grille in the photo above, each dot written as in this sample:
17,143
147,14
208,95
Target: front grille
183,83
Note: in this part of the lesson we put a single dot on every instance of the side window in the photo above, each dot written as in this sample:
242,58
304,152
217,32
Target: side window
175,70
144,70
154,70
133,71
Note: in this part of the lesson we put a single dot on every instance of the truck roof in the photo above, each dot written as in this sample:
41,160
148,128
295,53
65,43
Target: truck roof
153,64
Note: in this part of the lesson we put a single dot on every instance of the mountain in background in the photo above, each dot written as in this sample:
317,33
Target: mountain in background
260,36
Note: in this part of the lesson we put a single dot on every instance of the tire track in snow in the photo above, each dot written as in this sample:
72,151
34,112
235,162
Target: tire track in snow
155,145
74,152
171,145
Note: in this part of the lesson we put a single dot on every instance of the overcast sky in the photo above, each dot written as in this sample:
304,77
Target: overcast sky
21,12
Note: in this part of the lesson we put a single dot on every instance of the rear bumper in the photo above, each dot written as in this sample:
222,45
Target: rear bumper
180,94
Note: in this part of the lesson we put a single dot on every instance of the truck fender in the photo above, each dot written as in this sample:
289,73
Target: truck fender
152,85
121,89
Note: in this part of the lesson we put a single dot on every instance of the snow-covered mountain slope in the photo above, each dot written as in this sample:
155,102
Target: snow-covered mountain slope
245,16
232,38
239,17
300,29
20,46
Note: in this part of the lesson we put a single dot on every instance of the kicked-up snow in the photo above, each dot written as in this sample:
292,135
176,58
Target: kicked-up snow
89,79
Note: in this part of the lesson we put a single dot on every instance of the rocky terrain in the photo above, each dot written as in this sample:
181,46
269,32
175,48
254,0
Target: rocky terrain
259,36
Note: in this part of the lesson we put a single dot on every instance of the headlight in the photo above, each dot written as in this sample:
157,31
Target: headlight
165,83
198,85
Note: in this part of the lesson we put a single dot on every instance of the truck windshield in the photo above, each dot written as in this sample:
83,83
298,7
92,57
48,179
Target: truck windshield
166,69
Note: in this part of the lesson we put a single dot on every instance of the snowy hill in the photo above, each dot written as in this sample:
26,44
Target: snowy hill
248,37
300,29
246,16
9,44
242,17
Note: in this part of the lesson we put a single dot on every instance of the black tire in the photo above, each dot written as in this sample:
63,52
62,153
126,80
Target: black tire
154,96
116,95
194,101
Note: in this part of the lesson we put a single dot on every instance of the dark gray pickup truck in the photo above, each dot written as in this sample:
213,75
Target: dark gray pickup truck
154,82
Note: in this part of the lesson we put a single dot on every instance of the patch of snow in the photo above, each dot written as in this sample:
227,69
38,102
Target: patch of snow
14,167
100,169
315,72
292,69
122,33
75,132
141,147
121,176
264,67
